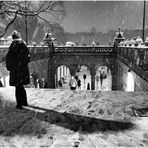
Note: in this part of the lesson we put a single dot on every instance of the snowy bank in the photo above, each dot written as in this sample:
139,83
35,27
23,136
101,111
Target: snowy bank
64,118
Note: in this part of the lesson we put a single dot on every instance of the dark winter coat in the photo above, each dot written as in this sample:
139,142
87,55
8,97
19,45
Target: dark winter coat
17,60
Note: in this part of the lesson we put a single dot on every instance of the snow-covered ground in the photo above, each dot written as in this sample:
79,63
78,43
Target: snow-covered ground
65,118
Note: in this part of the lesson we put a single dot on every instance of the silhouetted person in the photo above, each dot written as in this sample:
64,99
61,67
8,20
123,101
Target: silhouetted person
1,84
40,83
60,83
102,76
17,60
79,83
88,86
45,84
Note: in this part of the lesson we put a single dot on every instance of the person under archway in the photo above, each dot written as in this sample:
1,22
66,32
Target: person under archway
60,83
73,83
88,86
102,76
79,84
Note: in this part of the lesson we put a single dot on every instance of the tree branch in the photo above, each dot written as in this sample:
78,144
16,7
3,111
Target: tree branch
43,19
9,25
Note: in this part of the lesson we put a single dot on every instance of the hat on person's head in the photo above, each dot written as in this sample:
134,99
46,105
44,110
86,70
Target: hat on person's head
16,35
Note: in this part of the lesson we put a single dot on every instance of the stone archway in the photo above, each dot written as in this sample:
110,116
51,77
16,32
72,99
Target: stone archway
75,61
62,76
104,84
84,70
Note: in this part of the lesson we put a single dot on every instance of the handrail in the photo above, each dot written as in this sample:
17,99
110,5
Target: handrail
136,55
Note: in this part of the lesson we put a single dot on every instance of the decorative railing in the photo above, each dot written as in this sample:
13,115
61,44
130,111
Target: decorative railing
84,49
42,52
135,55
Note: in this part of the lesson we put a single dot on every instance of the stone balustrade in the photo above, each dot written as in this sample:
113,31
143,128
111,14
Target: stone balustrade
42,52
136,55
84,49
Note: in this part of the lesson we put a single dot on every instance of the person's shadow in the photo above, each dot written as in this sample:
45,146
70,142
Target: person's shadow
81,123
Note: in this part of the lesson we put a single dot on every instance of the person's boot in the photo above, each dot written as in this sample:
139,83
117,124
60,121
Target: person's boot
19,107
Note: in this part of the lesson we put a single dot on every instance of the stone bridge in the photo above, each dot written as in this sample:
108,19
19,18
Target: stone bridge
75,57
72,58
118,59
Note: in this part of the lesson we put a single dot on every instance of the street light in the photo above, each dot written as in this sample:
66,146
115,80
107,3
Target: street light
26,23
143,31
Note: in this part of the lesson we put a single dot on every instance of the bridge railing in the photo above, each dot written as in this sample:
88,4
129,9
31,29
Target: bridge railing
84,49
135,55
42,52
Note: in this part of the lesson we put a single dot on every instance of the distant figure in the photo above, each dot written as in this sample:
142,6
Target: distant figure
73,83
17,60
35,77
1,84
79,84
60,83
102,76
45,84
40,83
88,86
31,82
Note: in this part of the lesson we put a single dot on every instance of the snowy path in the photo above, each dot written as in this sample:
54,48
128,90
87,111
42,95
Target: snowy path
64,118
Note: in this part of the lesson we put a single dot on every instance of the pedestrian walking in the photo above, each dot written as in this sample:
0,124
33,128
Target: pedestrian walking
88,86
79,84
102,76
73,83
17,60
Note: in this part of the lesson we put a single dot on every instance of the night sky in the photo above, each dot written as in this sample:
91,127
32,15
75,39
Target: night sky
103,15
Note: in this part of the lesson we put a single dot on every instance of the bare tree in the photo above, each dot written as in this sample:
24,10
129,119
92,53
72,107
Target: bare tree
48,11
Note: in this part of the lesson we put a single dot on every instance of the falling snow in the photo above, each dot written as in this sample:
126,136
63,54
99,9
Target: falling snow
80,14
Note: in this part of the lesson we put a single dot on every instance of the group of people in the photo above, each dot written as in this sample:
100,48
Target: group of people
75,83
36,82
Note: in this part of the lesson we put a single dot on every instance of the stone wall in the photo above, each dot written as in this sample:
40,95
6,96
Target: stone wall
40,67
139,82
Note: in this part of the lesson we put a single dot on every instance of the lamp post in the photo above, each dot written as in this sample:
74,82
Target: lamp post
143,31
26,23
